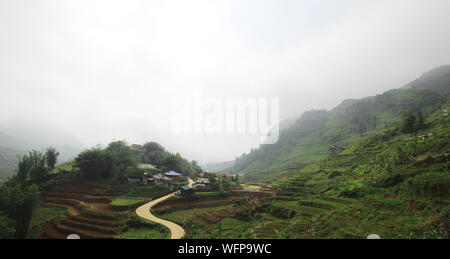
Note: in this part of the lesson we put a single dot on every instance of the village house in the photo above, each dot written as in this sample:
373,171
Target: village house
173,176
202,181
146,179
161,178
186,191
136,147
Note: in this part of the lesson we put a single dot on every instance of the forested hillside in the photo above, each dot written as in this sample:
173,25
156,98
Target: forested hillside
311,136
394,183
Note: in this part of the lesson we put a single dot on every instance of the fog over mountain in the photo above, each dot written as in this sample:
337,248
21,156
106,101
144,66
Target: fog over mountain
25,137
81,73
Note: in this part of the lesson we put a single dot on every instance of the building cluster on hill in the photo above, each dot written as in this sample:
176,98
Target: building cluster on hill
161,179
203,180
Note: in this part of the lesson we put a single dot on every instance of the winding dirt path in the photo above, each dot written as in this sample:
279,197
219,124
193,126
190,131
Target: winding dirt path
176,230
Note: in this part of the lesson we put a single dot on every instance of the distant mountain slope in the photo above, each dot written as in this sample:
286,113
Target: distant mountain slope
224,167
436,80
8,161
310,137
217,167
17,139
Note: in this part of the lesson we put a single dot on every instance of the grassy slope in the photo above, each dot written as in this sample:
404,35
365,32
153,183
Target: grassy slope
409,200
125,202
44,214
139,228
152,192
309,139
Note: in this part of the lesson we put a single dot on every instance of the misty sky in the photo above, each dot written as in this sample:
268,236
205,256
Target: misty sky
105,70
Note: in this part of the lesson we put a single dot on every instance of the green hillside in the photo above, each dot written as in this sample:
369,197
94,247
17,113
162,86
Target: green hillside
393,184
310,137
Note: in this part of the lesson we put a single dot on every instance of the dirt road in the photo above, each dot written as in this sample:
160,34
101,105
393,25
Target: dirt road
176,230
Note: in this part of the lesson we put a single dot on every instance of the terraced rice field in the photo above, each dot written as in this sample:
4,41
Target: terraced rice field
307,211
90,213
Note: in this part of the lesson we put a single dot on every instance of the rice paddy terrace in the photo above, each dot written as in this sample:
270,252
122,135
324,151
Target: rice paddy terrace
391,184
90,213
293,218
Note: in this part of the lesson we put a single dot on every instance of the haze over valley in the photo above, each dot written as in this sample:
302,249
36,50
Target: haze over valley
80,68
224,119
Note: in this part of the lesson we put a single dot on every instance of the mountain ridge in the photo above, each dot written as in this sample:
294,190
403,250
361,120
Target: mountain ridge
312,134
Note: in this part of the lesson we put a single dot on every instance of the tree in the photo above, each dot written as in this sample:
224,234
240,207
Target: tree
408,124
172,163
7,229
18,201
374,122
156,158
23,217
32,168
39,170
24,168
150,147
93,164
121,156
51,157
420,121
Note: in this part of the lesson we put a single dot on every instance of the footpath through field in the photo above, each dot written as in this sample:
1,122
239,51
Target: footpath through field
176,230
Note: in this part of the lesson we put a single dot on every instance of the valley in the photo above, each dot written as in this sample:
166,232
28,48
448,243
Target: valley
375,165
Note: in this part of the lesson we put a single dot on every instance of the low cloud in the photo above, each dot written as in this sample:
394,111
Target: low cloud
105,70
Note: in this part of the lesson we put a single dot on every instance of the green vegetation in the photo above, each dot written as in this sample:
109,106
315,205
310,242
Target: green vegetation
204,222
248,187
390,179
38,174
125,202
308,139
138,228
20,195
152,192
44,214
51,156
17,204
392,184
181,216
220,183
210,194
155,154
66,166
111,162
